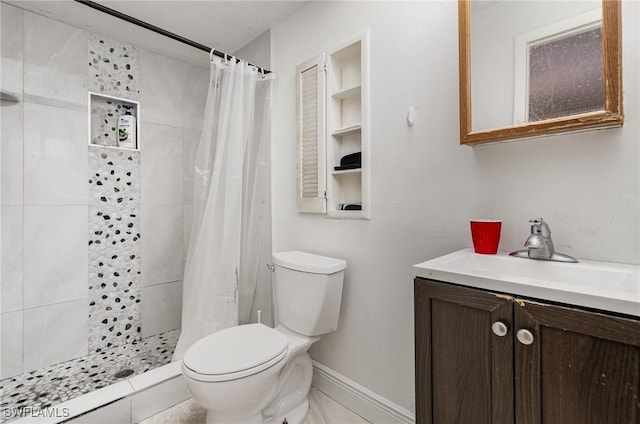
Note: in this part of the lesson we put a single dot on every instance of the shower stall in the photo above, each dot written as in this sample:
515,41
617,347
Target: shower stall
94,237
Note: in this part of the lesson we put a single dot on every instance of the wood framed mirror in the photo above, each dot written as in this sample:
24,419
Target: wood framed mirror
526,71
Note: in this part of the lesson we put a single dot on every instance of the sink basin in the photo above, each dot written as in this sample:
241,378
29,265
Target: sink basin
601,285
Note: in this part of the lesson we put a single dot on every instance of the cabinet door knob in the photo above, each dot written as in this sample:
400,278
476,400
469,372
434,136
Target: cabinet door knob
524,336
499,328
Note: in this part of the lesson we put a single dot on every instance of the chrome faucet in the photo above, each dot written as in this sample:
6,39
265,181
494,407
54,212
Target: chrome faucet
539,244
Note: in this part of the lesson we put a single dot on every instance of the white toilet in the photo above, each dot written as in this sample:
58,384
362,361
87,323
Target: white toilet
255,374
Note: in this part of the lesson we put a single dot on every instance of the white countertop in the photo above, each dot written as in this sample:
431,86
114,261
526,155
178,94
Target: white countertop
601,285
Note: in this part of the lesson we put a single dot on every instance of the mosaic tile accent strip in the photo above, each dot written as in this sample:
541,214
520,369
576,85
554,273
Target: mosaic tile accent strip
104,120
113,67
57,383
114,247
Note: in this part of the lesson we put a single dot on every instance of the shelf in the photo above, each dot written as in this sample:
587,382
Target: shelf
345,131
347,92
104,113
347,111
114,147
340,214
347,171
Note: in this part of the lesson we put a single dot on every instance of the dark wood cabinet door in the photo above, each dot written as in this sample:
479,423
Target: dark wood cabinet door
464,372
581,367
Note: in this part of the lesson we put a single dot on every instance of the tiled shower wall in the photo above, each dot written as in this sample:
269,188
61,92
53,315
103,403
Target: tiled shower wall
115,299
49,207
114,247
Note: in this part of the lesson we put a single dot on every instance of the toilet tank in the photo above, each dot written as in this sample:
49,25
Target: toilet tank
308,291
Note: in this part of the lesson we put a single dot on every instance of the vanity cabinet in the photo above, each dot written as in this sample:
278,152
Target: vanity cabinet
492,358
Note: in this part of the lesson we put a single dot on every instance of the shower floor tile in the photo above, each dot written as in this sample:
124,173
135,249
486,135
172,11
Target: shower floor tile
57,383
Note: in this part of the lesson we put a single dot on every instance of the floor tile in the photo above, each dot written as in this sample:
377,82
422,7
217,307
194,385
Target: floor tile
322,410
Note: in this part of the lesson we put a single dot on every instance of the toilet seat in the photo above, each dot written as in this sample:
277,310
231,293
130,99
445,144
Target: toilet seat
234,353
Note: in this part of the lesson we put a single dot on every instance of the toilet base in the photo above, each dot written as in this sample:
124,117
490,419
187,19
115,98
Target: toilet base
296,416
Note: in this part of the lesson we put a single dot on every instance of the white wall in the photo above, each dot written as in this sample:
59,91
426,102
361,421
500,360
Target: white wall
425,186
257,52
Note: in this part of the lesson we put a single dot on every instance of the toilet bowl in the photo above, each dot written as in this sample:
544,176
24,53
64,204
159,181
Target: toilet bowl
236,373
256,374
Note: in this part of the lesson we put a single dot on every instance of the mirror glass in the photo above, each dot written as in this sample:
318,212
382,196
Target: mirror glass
536,67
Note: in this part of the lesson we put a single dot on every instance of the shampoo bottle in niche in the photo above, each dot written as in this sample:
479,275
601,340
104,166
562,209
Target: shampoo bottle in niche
127,130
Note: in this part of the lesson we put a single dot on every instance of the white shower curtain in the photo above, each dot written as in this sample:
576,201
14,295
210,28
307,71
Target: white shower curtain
255,292
224,196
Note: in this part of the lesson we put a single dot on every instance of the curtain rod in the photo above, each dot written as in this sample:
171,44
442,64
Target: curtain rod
158,30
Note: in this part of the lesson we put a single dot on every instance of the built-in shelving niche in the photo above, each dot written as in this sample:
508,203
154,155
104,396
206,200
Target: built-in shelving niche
348,128
104,112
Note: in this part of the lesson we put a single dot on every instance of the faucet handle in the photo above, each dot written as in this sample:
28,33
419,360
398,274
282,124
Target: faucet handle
539,226
535,225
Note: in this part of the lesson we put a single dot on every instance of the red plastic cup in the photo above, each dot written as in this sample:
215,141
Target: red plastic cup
485,234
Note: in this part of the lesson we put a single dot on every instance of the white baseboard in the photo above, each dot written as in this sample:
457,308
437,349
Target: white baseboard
369,405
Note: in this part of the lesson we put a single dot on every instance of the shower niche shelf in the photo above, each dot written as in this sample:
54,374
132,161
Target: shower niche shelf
348,127
104,111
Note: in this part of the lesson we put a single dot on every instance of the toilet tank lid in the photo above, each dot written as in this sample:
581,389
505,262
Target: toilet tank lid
308,262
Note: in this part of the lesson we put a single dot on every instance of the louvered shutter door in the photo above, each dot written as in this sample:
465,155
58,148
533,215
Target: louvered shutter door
311,136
